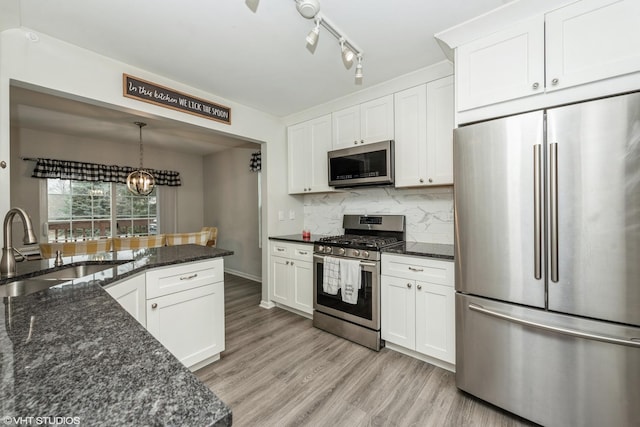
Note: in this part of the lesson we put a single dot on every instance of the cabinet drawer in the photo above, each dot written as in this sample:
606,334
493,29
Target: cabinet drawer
418,268
281,249
169,280
302,252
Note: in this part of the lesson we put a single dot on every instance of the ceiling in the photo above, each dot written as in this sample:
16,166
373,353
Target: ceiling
252,52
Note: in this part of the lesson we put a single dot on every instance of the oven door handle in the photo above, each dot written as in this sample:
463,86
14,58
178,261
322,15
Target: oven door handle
362,263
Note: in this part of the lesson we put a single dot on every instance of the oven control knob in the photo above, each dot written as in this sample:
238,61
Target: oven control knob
341,251
365,254
327,249
356,252
320,248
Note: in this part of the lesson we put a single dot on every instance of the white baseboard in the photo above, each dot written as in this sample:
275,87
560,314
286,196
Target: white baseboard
243,275
432,360
295,311
267,304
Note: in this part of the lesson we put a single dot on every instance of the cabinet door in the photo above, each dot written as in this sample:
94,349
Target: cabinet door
435,321
440,112
320,134
131,295
280,279
299,150
505,65
190,324
592,40
302,286
411,136
397,309
376,120
346,127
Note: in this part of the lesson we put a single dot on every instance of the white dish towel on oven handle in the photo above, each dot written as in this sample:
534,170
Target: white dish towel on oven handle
330,275
350,280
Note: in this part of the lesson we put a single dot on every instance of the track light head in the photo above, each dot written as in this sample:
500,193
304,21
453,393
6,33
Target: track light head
359,67
347,54
312,37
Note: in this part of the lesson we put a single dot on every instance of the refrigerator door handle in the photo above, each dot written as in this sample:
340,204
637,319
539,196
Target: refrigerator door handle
537,211
553,208
631,342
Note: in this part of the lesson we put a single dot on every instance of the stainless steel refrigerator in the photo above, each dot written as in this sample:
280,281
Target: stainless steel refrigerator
547,225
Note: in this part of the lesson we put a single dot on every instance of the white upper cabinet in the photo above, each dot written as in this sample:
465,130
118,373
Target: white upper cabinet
440,119
581,43
592,40
308,144
368,122
411,136
505,65
424,134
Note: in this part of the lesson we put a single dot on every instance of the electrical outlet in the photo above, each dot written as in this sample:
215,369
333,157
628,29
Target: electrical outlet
292,214
280,215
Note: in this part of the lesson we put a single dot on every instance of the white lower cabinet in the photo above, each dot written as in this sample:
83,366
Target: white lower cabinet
188,323
291,277
182,306
131,295
417,306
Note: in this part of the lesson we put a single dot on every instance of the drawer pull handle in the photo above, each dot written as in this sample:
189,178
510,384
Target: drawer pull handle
282,249
189,277
303,252
154,305
419,287
416,269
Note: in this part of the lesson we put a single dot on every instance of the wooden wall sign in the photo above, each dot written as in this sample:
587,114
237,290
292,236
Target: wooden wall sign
133,87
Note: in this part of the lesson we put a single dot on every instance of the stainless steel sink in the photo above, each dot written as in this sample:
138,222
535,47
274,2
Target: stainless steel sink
75,271
53,278
27,286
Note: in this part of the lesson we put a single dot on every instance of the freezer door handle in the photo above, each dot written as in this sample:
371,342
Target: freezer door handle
631,342
537,211
553,208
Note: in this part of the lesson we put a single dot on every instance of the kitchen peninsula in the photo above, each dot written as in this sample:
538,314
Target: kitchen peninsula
72,351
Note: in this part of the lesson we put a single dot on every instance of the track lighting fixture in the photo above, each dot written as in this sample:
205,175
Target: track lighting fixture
310,9
347,54
359,67
312,37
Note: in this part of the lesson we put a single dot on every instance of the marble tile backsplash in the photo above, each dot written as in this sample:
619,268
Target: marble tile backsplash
429,212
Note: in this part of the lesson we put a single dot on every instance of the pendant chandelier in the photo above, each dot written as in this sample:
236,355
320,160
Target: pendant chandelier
140,182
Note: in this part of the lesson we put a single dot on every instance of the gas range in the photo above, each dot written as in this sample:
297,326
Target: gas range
365,236
360,245
355,246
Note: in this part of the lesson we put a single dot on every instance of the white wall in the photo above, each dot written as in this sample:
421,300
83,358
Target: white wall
34,143
231,204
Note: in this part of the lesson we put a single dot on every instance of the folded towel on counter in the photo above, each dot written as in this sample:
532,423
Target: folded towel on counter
330,275
350,280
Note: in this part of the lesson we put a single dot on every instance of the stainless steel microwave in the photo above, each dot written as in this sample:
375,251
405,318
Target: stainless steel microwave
370,164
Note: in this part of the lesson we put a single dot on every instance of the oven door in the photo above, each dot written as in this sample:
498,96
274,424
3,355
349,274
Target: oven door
367,310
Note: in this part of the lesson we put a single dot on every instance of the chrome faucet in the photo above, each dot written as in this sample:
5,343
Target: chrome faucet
8,262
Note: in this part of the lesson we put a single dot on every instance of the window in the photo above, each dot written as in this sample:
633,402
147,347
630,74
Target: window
80,210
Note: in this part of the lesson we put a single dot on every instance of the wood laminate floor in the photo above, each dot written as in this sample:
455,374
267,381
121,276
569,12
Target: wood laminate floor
278,370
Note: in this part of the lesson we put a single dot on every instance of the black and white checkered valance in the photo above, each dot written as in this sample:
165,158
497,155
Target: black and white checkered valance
80,171
255,164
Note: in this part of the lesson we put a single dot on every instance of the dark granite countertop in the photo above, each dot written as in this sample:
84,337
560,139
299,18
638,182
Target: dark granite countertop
297,238
429,250
72,351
